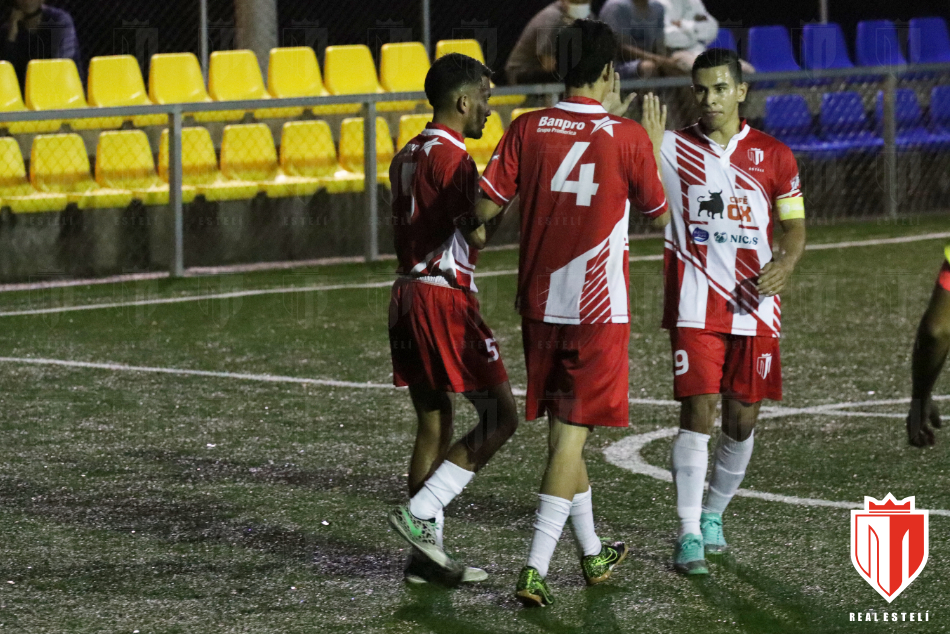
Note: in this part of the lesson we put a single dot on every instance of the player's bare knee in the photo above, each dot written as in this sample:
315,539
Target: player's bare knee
698,413
936,327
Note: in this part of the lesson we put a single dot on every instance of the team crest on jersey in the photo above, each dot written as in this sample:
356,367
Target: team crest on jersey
721,236
756,155
890,543
764,365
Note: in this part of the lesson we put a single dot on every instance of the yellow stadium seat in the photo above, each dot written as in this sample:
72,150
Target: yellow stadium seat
12,101
199,167
517,112
15,191
306,149
294,72
403,67
59,165
350,71
116,80
176,78
53,84
473,49
351,147
248,154
409,126
124,161
482,149
234,75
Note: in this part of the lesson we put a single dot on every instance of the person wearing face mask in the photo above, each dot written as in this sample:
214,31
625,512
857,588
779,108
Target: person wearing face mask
34,30
534,58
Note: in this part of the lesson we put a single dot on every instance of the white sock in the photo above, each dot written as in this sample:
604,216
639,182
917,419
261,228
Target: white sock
732,458
582,523
690,459
440,489
551,517
439,527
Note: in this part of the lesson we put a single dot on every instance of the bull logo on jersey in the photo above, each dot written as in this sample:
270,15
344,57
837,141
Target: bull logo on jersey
713,205
756,155
763,365
890,543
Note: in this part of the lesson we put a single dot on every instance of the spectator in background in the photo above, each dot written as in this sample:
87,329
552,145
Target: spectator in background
639,25
534,59
689,30
34,30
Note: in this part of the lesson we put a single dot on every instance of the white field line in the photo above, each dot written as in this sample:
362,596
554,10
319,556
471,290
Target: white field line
335,287
625,454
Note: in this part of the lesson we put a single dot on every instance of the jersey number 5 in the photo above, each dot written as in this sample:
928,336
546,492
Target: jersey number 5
584,186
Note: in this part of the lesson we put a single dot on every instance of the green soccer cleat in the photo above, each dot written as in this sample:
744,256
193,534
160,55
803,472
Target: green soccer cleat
421,535
597,567
419,571
714,542
689,558
531,589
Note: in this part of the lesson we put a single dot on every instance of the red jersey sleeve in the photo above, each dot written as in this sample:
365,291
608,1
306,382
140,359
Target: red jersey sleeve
460,181
787,194
500,180
646,190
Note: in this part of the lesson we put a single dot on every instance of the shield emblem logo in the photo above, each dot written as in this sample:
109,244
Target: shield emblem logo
755,155
890,543
763,365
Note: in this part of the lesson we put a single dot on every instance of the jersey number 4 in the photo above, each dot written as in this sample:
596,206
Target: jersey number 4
584,186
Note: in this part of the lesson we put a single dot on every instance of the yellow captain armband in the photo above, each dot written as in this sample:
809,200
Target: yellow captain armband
946,252
791,208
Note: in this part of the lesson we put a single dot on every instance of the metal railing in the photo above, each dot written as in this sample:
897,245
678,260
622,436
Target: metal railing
888,76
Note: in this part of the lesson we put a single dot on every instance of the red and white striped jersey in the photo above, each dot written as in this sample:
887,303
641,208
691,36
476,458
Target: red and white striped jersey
576,169
720,237
434,181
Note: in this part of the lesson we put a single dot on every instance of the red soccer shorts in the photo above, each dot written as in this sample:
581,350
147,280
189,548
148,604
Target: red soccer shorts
943,280
577,373
744,368
438,339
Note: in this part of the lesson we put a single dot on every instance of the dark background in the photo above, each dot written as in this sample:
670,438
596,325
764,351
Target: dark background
144,27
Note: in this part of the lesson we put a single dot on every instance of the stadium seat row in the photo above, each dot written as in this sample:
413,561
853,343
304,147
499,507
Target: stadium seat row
125,168
116,80
823,46
844,127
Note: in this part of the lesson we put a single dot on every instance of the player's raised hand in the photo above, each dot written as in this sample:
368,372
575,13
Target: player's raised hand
919,433
772,278
612,101
654,119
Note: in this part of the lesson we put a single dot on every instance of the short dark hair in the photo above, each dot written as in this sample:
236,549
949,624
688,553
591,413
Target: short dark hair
450,73
716,57
583,49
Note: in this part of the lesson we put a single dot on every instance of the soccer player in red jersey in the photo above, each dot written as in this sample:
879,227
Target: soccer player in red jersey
728,185
930,353
576,167
440,344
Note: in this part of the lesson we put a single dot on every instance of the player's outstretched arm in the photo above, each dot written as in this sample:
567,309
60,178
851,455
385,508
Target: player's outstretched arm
478,226
930,353
775,274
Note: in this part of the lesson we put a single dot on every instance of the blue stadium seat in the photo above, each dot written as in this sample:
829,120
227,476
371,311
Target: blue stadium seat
824,47
912,130
724,39
877,44
929,42
844,125
770,50
940,108
788,119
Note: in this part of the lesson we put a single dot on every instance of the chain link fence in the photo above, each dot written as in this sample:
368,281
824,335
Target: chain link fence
267,166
